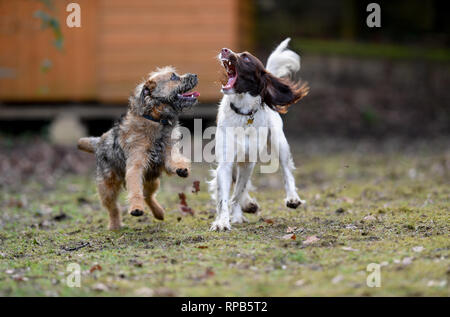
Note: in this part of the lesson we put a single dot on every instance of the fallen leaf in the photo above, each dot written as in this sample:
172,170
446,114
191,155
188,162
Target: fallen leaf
290,236
96,267
209,272
100,287
291,229
349,249
184,208
433,283
19,278
310,240
164,292
407,260
144,292
182,197
348,200
418,249
369,218
337,279
196,187
15,203
269,221
202,247
299,283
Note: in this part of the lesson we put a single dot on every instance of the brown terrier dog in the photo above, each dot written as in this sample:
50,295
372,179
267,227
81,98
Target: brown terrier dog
142,144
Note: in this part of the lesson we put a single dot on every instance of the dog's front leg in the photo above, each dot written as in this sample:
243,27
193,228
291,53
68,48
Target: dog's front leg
134,182
224,179
287,165
245,170
175,162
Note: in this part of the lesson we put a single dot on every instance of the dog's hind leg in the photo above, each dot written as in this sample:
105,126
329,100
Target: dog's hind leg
150,189
248,204
224,180
245,170
108,190
287,165
135,184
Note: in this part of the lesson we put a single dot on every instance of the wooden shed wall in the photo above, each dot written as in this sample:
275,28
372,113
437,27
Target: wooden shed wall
120,41
24,47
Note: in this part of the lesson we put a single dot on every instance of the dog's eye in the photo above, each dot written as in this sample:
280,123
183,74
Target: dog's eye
174,77
245,58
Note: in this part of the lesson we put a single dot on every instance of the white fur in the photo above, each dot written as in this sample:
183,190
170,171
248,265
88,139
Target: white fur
282,62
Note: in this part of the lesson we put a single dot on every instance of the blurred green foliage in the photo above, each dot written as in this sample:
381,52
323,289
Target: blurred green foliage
49,21
410,29
370,50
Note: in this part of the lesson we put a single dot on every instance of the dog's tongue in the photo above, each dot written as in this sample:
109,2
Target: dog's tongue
193,94
231,81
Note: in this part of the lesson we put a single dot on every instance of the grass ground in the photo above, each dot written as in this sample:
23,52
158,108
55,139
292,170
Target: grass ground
366,204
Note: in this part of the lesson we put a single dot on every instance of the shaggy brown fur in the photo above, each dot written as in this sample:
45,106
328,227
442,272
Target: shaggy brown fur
143,144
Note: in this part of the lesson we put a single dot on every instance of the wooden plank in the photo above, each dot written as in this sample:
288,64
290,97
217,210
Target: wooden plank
26,47
119,42
87,111
139,35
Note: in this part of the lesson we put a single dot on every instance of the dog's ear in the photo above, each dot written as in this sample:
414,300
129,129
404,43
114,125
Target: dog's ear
280,93
147,89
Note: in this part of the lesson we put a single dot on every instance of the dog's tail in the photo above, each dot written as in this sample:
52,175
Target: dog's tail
88,144
283,62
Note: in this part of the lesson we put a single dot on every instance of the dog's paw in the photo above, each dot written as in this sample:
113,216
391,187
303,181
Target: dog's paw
220,225
238,219
114,226
294,202
182,172
158,215
251,208
137,212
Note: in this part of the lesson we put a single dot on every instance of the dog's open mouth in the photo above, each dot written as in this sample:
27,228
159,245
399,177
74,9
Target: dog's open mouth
193,95
231,72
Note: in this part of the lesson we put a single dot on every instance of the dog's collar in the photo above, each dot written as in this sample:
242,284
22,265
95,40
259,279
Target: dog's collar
250,113
162,121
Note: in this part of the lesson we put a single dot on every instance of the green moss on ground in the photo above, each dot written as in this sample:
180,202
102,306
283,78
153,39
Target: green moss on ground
395,212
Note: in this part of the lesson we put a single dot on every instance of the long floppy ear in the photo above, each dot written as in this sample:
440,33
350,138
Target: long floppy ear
147,89
280,93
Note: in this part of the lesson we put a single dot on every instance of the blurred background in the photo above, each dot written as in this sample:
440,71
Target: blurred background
58,83
364,81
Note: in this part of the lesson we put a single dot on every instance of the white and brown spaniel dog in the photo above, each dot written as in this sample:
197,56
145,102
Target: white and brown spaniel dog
254,96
